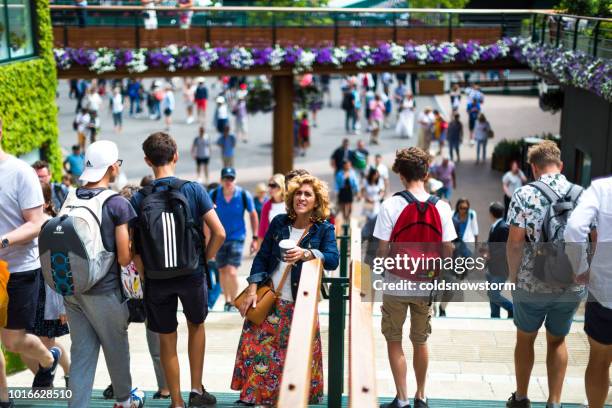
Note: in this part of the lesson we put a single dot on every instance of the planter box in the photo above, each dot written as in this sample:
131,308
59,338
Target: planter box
431,86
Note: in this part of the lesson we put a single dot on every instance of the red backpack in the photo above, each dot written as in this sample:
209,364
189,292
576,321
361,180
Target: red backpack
419,224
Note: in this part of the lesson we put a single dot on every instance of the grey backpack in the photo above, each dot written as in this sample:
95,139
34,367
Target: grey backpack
552,265
72,254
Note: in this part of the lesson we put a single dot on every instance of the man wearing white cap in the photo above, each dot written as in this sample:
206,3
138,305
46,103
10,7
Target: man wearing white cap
221,114
100,317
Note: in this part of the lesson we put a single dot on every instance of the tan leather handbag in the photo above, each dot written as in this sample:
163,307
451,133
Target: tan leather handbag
266,295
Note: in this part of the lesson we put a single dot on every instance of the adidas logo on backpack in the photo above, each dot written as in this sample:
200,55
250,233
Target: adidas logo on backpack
72,253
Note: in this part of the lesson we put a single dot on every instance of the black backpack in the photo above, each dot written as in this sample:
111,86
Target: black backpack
169,241
347,101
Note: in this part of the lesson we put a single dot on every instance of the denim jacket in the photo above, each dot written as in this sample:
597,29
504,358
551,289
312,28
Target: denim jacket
320,240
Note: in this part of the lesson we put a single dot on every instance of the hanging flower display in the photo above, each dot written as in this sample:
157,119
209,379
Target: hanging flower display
566,67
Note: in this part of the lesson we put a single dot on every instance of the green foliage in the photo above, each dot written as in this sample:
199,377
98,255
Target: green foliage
589,8
289,19
27,99
448,4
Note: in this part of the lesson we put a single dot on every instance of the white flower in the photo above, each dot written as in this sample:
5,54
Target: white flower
339,56
105,61
276,57
138,62
398,54
306,60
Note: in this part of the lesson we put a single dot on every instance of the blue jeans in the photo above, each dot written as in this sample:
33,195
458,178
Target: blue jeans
350,117
134,105
497,300
453,146
481,144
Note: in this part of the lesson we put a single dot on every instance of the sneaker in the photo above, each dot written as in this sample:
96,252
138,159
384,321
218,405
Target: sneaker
67,380
108,393
7,404
442,312
242,403
138,398
394,404
227,306
159,395
513,403
44,377
201,400
419,403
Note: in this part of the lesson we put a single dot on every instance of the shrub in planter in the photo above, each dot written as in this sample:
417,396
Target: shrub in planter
504,153
552,100
260,97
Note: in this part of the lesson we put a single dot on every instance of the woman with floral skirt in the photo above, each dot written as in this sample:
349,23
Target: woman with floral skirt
262,348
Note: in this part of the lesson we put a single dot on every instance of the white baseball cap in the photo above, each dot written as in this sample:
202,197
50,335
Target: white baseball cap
98,158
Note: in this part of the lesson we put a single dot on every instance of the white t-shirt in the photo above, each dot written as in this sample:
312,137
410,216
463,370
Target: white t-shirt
276,209
285,294
514,181
222,112
390,210
425,121
392,207
94,102
117,103
383,171
20,190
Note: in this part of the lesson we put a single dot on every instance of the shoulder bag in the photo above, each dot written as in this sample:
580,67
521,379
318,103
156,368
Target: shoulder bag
266,295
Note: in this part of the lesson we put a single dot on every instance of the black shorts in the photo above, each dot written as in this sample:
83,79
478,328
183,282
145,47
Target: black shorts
167,112
23,290
161,301
598,322
201,161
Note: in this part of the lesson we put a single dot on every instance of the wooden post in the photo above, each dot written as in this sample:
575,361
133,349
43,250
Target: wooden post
282,144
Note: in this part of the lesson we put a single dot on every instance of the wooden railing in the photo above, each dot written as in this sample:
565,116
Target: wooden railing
295,385
362,371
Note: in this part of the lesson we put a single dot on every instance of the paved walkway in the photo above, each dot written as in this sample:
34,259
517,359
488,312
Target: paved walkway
471,355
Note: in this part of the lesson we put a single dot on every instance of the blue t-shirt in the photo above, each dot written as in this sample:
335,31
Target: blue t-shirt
231,213
197,198
227,145
77,164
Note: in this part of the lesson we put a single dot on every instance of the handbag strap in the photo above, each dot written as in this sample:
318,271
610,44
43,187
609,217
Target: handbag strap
288,267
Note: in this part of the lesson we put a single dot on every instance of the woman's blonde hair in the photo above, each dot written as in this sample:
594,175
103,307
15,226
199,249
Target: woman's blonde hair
280,180
320,212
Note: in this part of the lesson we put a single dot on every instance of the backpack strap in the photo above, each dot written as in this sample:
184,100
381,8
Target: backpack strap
550,194
245,200
410,198
214,194
574,193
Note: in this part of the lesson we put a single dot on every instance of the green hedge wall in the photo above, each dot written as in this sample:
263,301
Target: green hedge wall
27,98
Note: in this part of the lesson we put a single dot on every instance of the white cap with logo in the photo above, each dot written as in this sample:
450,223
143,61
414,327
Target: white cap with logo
98,158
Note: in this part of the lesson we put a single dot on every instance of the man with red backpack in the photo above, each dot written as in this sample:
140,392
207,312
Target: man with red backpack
410,223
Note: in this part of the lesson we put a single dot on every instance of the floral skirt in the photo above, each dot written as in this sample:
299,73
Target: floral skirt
261,356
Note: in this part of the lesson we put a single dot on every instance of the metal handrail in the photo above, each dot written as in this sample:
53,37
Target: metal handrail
316,9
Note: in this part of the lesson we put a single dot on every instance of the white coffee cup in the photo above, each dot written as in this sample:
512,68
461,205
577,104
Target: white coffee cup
285,245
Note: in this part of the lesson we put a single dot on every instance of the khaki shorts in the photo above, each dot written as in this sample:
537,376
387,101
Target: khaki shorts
394,311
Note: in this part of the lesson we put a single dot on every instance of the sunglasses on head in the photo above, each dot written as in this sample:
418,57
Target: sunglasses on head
273,185
464,207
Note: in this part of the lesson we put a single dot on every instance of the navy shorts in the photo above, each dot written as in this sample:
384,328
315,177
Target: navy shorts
161,301
230,253
555,311
23,288
598,322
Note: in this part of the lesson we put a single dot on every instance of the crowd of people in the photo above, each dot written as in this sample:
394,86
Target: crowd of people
140,228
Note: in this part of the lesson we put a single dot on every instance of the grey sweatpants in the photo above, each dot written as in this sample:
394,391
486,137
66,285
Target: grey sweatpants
98,320
153,343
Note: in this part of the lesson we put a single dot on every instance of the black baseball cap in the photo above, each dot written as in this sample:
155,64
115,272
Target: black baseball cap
228,172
